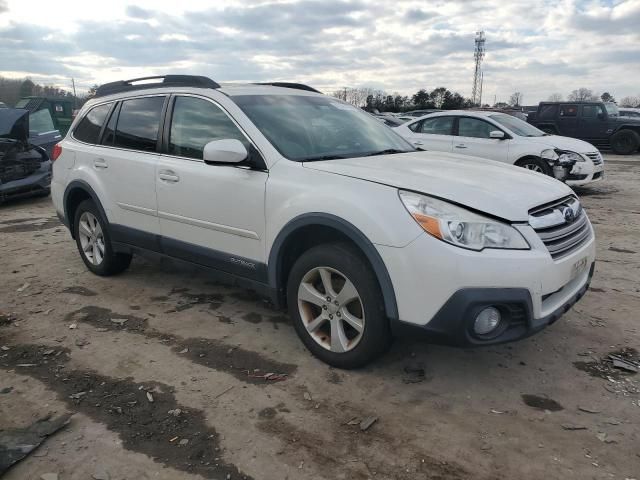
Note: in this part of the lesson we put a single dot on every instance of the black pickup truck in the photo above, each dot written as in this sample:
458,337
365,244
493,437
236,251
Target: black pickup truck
595,122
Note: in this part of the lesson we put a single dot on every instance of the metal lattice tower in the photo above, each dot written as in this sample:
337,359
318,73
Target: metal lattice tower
476,93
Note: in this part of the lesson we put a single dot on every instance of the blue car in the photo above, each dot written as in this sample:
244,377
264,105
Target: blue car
25,167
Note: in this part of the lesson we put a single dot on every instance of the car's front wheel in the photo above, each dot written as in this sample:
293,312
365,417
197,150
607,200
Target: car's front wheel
625,142
536,165
94,243
336,305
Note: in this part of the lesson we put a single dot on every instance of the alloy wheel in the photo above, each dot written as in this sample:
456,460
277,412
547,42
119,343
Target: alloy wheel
533,167
91,238
331,309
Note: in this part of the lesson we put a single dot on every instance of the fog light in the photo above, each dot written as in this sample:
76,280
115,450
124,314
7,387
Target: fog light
487,321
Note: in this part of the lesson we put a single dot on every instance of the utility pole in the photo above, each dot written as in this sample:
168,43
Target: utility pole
478,54
73,84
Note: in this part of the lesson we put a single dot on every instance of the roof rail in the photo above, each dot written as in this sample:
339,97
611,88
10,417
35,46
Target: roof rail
297,86
167,81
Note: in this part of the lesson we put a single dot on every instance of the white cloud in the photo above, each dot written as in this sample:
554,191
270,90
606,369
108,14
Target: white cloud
535,46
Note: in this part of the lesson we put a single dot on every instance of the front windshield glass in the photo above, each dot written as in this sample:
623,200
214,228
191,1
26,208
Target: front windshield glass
306,128
517,126
612,109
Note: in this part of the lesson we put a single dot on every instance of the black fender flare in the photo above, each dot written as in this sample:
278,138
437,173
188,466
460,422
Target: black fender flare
274,265
80,185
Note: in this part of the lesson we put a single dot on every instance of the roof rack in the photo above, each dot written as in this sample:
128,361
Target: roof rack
167,81
297,86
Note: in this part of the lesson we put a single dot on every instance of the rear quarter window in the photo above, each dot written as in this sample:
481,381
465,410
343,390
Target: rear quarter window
88,130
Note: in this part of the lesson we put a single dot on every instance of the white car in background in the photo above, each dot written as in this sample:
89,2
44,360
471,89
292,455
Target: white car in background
504,138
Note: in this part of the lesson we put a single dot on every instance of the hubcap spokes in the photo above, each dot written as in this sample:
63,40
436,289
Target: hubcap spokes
331,309
91,238
535,168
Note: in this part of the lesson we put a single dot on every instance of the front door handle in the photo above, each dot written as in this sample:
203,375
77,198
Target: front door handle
100,163
418,143
461,145
168,176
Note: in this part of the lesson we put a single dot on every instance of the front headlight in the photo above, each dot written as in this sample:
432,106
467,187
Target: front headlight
566,157
459,226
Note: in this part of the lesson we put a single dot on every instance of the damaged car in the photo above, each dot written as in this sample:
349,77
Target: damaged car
504,138
25,168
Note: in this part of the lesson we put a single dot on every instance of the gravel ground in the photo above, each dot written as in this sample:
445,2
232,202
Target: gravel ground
170,375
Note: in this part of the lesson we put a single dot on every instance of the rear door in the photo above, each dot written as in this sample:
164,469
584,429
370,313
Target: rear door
128,166
568,120
211,214
473,139
435,133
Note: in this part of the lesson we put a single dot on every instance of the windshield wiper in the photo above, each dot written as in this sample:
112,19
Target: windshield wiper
322,157
388,151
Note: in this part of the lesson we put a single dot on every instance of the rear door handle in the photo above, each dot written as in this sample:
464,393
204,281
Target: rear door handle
168,176
461,145
100,163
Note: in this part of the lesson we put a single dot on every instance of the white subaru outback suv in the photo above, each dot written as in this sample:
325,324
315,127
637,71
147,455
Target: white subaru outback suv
322,208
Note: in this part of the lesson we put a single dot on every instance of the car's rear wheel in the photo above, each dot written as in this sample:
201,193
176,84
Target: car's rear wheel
336,305
535,165
94,243
625,142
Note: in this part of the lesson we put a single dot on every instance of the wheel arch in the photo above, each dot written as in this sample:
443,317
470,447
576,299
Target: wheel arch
76,192
332,228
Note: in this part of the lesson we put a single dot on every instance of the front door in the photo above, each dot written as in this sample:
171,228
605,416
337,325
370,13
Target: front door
473,139
593,122
209,214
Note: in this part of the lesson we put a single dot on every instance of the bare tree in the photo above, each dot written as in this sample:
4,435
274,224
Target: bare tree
630,101
583,95
555,97
515,100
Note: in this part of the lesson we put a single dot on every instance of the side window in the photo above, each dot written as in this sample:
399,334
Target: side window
474,127
415,127
88,130
548,112
437,126
40,122
591,110
196,122
568,110
139,123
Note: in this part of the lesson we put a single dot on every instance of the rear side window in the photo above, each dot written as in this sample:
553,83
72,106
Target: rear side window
568,110
88,130
196,122
548,112
473,127
139,123
437,126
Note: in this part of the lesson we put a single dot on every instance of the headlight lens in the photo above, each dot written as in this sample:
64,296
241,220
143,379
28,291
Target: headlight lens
458,226
570,157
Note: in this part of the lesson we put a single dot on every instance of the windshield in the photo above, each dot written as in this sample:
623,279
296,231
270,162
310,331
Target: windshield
517,126
612,108
306,128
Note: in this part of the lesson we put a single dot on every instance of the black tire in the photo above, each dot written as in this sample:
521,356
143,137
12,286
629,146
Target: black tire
112,262
535,164
375,337
625,142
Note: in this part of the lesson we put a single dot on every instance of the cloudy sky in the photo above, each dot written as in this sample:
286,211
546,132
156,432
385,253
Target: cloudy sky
537,47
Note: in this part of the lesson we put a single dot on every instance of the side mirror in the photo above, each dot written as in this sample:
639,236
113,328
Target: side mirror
225,151
497,134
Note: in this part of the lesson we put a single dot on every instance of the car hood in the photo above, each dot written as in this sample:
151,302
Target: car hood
14,123
563,143
494,188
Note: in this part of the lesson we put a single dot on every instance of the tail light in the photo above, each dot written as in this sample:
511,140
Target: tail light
56,152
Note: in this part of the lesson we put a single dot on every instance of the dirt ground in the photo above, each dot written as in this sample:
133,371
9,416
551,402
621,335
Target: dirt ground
169,375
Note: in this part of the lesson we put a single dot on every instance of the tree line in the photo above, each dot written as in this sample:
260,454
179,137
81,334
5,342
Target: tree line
587,95
13,89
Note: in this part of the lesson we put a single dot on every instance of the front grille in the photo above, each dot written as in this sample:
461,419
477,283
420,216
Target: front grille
562,226
595,157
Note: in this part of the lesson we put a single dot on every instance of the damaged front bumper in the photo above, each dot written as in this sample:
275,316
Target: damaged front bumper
37,183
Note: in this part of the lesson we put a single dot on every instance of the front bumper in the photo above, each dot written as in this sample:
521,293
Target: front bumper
585,172
453,324
39,182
